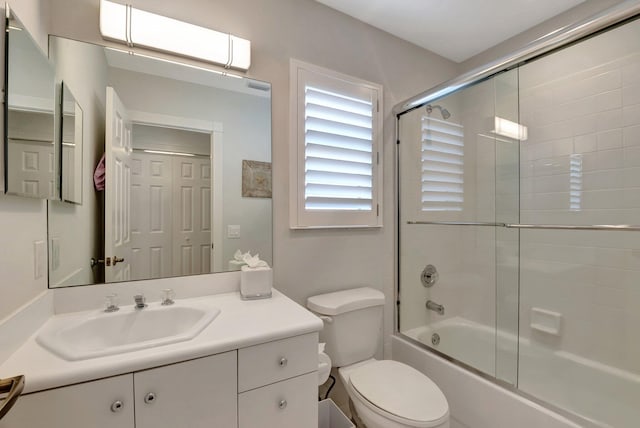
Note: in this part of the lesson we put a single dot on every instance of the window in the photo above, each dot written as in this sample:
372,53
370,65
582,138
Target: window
336,173
442,165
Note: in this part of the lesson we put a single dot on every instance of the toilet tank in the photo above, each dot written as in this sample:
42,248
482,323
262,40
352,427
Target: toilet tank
352,323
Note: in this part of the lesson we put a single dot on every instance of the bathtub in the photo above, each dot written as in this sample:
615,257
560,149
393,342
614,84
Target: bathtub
598,393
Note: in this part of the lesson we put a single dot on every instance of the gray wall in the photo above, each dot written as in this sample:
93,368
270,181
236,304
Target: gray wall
22,221
576,14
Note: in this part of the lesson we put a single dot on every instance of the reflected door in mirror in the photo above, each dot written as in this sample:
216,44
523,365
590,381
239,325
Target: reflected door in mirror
32,164
118,190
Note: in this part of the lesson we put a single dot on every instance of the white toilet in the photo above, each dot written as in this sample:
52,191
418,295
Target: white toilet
384,393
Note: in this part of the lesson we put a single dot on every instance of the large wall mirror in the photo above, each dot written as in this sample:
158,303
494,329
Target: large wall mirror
174,175
31,153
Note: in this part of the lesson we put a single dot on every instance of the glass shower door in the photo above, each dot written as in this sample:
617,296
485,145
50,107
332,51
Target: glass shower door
580,289
458,177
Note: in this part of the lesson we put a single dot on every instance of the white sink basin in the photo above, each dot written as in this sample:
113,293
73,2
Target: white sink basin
84,335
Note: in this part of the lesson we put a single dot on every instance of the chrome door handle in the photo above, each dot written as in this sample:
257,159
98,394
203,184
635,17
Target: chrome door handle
13,388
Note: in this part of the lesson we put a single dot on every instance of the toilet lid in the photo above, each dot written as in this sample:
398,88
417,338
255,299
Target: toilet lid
400,390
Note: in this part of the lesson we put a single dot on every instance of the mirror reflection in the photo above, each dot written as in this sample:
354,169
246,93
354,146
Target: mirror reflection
32,156
162,180
71,147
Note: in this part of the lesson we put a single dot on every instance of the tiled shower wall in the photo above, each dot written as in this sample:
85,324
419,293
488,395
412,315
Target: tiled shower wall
581,166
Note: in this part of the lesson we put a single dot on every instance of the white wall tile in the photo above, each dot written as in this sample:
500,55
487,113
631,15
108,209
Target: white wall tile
609,139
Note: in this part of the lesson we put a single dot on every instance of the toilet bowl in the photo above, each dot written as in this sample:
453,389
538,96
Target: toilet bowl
390,394
384,393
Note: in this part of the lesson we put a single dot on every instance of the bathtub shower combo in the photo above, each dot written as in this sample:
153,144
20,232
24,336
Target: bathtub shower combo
518,214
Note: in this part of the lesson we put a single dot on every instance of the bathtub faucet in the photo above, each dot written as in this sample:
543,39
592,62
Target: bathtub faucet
433,306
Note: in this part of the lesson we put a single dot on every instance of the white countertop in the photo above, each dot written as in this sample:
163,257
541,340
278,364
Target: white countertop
240,324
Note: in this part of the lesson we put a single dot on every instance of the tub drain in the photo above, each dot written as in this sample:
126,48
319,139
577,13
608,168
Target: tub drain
435,339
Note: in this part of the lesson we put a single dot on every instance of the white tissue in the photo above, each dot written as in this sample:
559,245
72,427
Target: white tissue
237,262
254,261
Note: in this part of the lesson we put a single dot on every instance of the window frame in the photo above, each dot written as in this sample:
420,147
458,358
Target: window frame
302,73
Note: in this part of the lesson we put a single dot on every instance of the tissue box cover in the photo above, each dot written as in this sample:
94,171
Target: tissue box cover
255,283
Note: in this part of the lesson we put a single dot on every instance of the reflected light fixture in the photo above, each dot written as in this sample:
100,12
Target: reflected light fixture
510,129
135,27
163,152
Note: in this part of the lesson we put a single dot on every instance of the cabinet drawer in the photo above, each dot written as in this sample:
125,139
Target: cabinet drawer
274,361
291,403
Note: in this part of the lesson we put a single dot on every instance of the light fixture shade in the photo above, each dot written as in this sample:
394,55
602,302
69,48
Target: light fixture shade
113,21
510,129
139,28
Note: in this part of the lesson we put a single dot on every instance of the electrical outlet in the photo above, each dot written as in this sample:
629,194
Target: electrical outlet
233,231
39,259
55,253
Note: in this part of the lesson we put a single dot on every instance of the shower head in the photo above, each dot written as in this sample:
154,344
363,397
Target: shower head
443,111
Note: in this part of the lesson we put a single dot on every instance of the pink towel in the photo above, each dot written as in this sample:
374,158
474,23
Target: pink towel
98,175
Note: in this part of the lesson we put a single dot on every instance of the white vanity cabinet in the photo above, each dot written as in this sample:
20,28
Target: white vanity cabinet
270,385
194,394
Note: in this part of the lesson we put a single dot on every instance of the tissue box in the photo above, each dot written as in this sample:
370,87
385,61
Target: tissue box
255,283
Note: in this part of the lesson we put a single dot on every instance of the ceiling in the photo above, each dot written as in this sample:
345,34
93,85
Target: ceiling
454,29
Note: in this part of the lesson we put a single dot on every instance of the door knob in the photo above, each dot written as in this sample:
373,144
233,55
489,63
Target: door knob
150,398
117,260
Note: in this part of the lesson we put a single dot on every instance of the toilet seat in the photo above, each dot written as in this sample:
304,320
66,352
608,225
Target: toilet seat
400,393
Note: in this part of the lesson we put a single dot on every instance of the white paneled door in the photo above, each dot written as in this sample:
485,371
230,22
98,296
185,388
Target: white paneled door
192,219
151,225
117,190
32,168
171,215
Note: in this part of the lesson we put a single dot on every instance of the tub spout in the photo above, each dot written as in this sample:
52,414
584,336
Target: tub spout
433,306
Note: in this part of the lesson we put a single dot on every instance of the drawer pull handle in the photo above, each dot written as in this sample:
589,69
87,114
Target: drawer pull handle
117,406
150,398
283,362
282,404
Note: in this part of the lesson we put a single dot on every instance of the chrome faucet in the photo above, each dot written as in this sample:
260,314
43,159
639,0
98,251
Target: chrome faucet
433,306
140,301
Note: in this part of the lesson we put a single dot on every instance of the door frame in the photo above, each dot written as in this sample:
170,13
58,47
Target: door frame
215,130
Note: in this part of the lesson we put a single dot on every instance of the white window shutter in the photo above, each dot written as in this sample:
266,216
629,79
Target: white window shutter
338,151
442,165
336,146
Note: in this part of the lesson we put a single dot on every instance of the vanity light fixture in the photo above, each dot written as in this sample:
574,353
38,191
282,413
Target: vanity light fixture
510,129
135,27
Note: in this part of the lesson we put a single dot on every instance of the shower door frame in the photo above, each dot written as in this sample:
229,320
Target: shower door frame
553,41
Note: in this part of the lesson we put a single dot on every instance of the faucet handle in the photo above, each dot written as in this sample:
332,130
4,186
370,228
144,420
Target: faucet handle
167,297
111,303
140,301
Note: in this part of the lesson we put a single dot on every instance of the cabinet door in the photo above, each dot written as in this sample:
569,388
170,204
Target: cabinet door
194,394
291,403
91,404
